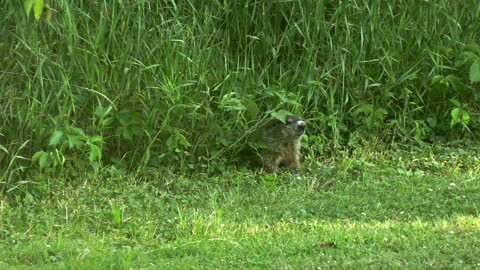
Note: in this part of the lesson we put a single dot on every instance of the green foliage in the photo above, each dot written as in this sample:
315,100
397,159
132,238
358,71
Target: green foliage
459,114
66,144
128,124
475,71
280,115
374,117
188,84
472,55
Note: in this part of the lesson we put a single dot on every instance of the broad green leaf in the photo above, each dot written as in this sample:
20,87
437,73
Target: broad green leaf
107,122
231,102
127,118
475,71
74,141
456,113
455,117
77,131
123,118
252,108
28,4
432,121
370,121
437,79
281,115
182,140
95,152
137,131
455,82
280,94
453,122
38,155
44,161
380,113
468,57
95,139
455,102
290,98
128,133
56,137
465,117
38,8
101,111
365,108
473,47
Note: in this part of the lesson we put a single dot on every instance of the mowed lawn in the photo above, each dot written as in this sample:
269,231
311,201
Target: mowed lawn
376,217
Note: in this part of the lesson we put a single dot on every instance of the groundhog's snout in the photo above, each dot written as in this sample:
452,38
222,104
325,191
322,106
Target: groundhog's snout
301,127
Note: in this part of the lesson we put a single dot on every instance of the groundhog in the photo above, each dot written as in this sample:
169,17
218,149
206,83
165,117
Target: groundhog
283,143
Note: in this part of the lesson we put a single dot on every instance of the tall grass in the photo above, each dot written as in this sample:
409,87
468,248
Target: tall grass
184,83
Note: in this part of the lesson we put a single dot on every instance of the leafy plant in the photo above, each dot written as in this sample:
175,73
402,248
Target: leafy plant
373,116
177,144
65,144
472,55
129,125
459,114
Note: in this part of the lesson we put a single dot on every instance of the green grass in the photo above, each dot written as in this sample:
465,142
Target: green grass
129,91
379,215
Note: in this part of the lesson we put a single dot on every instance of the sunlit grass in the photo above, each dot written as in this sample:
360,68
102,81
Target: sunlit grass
376,219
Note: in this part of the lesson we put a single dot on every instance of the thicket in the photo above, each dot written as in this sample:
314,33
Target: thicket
185,84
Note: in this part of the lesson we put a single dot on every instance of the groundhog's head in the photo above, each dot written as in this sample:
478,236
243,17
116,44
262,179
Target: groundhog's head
294,126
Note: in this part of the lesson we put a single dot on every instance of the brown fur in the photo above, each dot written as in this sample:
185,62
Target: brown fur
283,144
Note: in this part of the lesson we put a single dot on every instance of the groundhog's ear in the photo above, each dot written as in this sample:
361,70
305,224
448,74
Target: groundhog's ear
291,119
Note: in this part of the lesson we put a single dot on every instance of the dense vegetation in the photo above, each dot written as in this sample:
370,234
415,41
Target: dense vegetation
155,84
124,124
